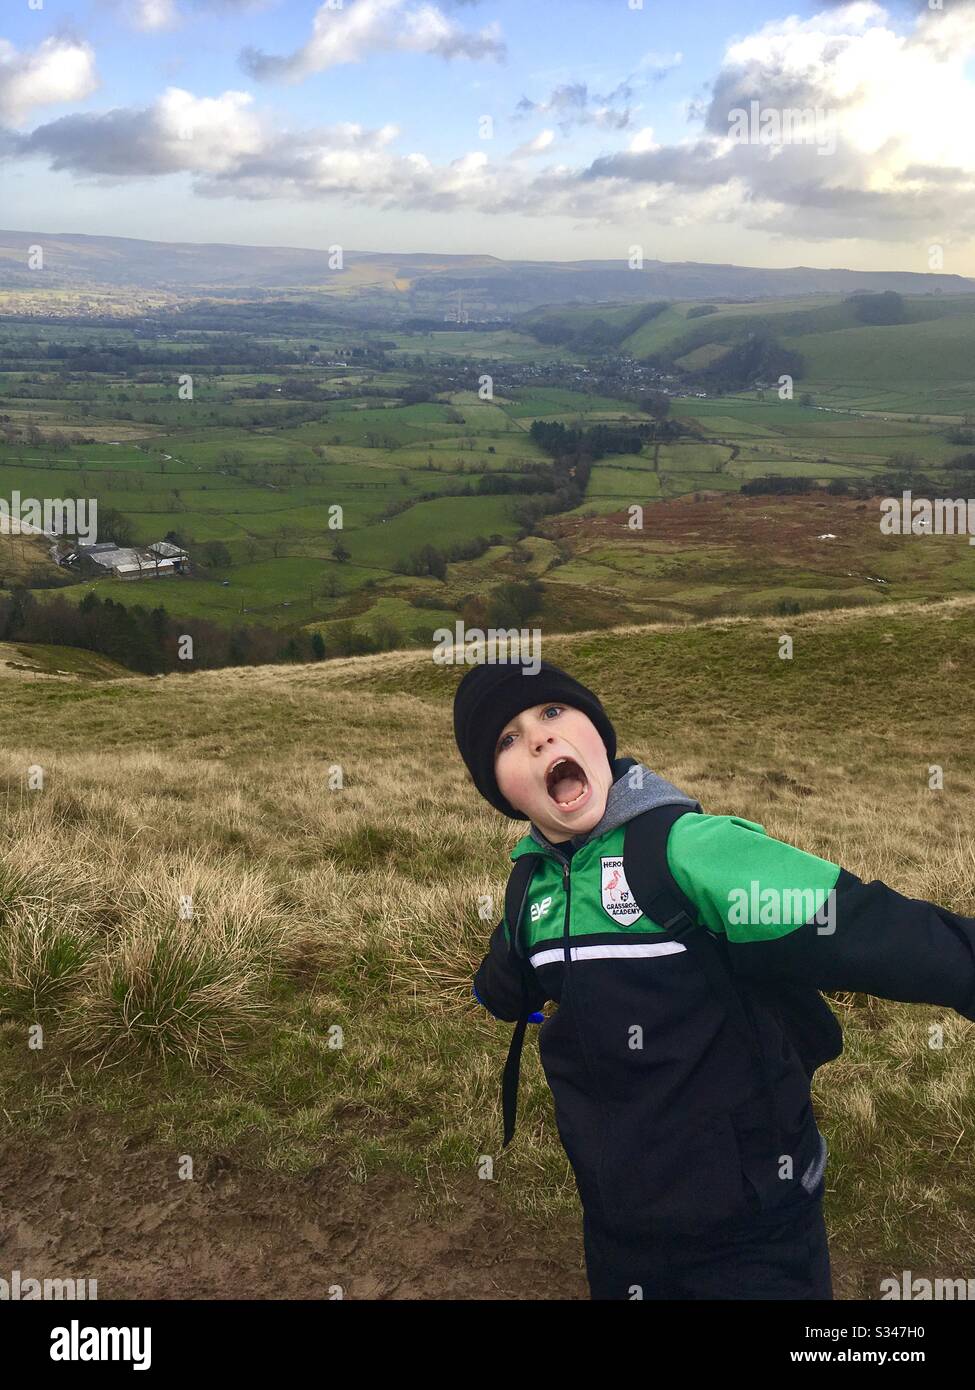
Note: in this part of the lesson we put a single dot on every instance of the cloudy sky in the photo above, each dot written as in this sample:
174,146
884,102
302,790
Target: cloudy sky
820,134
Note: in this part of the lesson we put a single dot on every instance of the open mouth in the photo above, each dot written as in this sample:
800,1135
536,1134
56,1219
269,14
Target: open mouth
566,783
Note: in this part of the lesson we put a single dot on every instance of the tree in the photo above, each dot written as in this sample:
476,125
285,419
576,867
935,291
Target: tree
884,308
655,404
386,635
416,393
113,526
475,612
317,646
511,604
342,636
215,555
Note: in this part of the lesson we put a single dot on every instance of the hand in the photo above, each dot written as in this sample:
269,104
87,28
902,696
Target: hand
532,1018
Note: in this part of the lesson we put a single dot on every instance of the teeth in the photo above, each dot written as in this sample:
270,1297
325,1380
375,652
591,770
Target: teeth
550,779
553,769
567,804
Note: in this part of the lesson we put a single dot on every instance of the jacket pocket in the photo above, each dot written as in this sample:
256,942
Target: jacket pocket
772,1172
683,1180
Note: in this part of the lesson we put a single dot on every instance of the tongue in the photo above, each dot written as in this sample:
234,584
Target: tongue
569,787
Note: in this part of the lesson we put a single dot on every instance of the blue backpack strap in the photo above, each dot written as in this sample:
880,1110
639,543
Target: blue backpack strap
659,896
515,897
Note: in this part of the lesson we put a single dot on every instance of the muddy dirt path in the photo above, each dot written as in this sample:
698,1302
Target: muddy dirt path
122,1216
118,1213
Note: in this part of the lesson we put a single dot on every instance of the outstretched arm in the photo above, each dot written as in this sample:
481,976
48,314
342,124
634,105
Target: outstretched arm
791,915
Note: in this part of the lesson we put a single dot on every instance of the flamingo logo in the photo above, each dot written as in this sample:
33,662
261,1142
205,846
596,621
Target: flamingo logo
617,899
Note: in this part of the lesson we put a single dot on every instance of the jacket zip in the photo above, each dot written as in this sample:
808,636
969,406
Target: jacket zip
580,1030
567,949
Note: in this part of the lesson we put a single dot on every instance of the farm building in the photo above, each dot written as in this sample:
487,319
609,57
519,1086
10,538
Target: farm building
166,551
157,561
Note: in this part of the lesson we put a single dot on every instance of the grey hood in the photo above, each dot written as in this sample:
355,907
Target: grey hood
624,801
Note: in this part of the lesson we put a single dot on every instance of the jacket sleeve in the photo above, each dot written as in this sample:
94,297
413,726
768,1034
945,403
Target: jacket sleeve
790,915
505,982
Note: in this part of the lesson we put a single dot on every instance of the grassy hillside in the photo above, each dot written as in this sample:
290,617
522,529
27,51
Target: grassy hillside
922,364
40,660
913,366
316,907
25,559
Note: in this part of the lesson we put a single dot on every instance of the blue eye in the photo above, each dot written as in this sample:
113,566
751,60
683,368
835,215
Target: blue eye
501,742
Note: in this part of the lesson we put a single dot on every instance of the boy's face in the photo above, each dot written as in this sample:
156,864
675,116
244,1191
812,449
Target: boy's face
563,798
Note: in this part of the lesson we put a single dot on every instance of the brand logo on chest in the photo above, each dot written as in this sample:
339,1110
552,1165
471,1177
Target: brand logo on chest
616,897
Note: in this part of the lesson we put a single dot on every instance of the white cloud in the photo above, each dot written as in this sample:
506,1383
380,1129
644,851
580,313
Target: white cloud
900,102
642,141
896,107
58,70
154,14
660,63
572,104
235,151
361,27
542,141
949,32
179,133
206,134
159,15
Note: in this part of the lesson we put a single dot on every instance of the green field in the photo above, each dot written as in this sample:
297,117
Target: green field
260,459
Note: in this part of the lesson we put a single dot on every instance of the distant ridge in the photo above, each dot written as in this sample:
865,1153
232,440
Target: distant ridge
417,280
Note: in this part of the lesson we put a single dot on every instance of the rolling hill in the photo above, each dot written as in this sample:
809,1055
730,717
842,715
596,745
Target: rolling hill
417,282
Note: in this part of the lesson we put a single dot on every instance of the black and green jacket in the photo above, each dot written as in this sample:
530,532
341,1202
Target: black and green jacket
660,1105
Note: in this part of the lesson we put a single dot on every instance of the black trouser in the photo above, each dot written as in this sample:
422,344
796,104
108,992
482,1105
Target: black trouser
783,1259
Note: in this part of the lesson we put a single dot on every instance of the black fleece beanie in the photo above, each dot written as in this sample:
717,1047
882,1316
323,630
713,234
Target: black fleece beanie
492,693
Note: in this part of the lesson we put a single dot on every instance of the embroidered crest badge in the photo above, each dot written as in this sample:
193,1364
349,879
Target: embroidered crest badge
617,899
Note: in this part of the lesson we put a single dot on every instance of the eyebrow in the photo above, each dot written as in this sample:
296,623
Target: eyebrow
506,730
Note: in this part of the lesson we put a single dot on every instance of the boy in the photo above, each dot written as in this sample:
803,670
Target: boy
698,1161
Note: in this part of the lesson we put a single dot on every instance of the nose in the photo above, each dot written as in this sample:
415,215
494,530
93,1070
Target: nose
541,740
